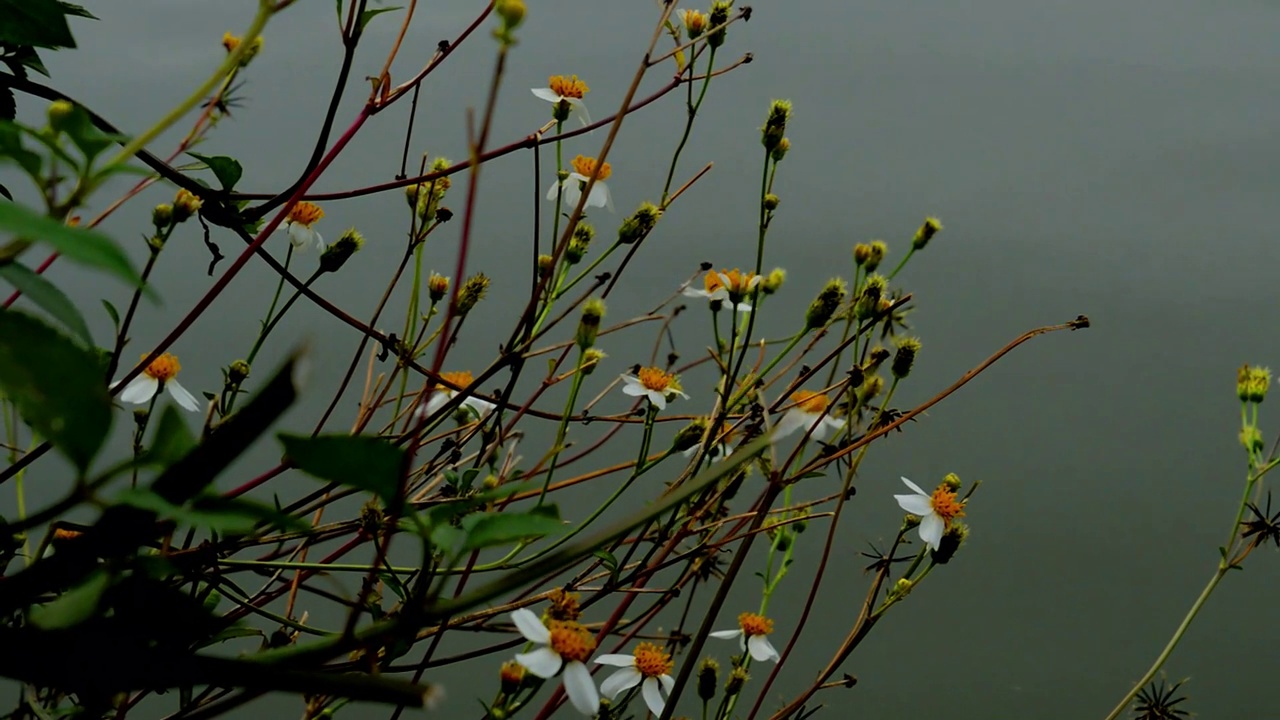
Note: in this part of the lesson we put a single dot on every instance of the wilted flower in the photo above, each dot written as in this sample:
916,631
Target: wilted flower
161,373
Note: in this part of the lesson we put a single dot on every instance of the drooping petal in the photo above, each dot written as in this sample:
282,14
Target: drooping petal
825,426
530,626
553,190
185,400
694,292
581,690
792,420
668,683
299,236
915,488
931,527
543,662
140,390
652,697
579,109
545,94
573,189
616,660
658,399
482,408
726,634
915,504
761,649
620,681
435,402
599,196
742,307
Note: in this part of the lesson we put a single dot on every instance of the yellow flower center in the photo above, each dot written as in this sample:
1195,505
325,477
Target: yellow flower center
946,505
753,624
810,402
571,641
511,673
305,214
461,378
695,21
564,605
651,661
739,282
712,281
654,379
163,368
568,87
586,167
230,42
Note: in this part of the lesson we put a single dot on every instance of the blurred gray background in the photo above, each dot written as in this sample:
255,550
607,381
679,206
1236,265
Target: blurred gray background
1111,159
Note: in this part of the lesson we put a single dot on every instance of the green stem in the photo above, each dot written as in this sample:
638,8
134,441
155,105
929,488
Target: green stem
271,309
692,108
902,263
563,429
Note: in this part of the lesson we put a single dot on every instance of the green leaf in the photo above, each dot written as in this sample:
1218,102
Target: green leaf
368,15
73,606
56,385
499,528
79,127
47,297
86,247
11,147
76,10
226,169
114,314
41,23
228,516
231,633
172,440
610,562
358,461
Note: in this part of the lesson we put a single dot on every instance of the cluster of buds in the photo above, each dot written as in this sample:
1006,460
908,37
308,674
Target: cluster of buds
870,255
639,225
424,198
1252,383
774,131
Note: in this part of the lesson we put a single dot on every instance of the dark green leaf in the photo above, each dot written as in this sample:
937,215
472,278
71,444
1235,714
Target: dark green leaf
228,516
11,147
610,562
231,633
447,538
172,440
48,297
114,314
368,15
226,169
86,247
73,606
42,23
56,384
363,462
76,10
85,135
499,528
25,57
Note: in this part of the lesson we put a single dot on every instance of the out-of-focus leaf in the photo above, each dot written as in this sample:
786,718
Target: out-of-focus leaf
172,440
113,314
11,148
499,528
358,461
86,247
368,15
56,384
85,135
40,23
228,516
73,606
227,169
47,297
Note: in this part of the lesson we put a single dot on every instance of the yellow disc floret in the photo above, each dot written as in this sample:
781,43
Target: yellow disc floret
568,87
461,378
571,641
652,661
658,380
946,505
588,167
163,368
810,402
753,624
305,214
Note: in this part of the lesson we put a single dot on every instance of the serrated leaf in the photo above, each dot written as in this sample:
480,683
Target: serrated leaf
172,439
359,461
80,129
56,385
48,297
86,247
227,169
76,10
41,23
488,529
368,15
73,606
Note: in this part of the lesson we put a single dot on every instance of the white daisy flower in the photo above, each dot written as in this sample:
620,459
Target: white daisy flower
583,168
752,633
649,667
162,372
298,226
658,385
809,411
936,511
731,286
442,395
566,90
565,645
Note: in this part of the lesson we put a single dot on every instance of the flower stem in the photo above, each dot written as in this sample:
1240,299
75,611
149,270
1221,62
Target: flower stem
563,428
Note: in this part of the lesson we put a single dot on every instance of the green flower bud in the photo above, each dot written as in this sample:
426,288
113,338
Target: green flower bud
904,357
640,224
771,202
901,589
237,372
775,127
546,264
825,305
875,254
437,287
589,324
861,253
1251,439
472,292
950,543
708,678
871,387
784,146
583,234
952,482
512,12
690,435
737,678
773,281
341,250
868,304
719,16
59,114
185,204
927,230
162,216
590,359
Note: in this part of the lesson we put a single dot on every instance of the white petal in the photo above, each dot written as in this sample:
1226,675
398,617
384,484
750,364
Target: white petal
581,690
299,236
545,94
140,390
579,108
742,307
690,451
551,191
530,626
624,679
658,400
915,504
668,683
599,196
915,487
931,527
692,292
761,649
791,421
616,660
635,390
180,395
753,282
824,426
435,402
318,241
652,697
726,634
543,662
572,189
481,407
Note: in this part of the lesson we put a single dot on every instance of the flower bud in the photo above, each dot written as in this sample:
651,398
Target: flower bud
875,359
950,543
1251,439
60,113
775,127
141,415
719,16
904,357
927,230
773,281
868,304
871,387
237,372
825,305
583,234
695,23
771,202
861,254
784,145
900,589
546,264
472,292
690,435
511,676
640,224
875,254
951,482
156,243
737,678
185,204
437,287
1252,383
511,11
162,216
589,324
708,678
341,250
590,359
